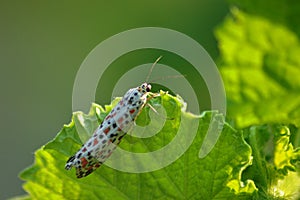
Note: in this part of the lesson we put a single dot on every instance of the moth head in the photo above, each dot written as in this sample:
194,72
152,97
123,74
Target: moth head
145,87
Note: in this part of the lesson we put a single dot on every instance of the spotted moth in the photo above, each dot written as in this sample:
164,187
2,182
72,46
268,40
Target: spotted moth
110,132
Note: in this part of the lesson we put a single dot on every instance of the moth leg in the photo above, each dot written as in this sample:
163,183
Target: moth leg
154,110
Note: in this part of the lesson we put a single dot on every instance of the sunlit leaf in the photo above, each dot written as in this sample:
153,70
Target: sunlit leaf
217,176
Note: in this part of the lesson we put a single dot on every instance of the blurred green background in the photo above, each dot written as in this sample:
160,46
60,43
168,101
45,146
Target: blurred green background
42,46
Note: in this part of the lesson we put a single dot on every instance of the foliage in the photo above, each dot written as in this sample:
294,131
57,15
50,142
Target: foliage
257,155
259,63
259,60
186,178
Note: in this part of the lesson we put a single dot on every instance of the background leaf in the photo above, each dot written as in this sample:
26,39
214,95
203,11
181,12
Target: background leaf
279,12
259,48
275,162
259,65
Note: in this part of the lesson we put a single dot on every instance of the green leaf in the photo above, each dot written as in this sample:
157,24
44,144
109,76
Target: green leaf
278,12
217,176
275,162
285,156
259,65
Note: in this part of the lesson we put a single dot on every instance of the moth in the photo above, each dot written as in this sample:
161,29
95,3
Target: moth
108,135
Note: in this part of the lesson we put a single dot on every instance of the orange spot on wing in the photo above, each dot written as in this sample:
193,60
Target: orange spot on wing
120,120
84,162
95,142
97,165
106,130
131,111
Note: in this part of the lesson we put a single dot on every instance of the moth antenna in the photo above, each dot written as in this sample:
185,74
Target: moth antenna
151,69
167,77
